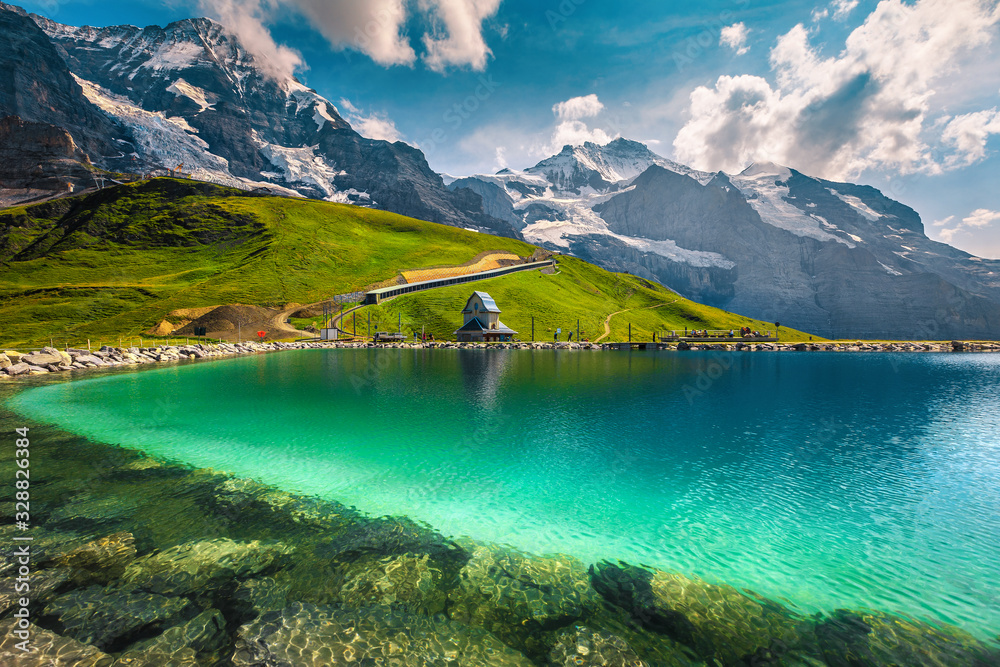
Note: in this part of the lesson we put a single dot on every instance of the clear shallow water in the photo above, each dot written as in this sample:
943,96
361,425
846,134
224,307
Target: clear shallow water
823,480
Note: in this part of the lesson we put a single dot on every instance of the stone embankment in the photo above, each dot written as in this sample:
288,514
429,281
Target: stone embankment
51,360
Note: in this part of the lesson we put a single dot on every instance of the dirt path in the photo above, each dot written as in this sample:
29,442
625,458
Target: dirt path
607,320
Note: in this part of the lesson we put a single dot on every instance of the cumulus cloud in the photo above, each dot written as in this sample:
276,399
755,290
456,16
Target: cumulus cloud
978,219
376,28
735,37
981,217
371,125
458,38
866,107
245,19
968,134
576,108
842,8
571,130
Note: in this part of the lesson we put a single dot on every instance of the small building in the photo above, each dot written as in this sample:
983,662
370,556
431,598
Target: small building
482,321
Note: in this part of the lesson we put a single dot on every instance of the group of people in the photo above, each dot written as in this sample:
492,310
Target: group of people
745,332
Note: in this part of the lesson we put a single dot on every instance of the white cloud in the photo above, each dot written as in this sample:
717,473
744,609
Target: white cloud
574,133
458,40
371,125
841,8
978,219
245,19
981,217
373,27
866,107
819,15
376,28
576,108
968,134
735,37
571,130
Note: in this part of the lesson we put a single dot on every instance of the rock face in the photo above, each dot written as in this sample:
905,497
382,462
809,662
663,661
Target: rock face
39,158
37,86
203,566
110,619
48,650
190,94
310,636
837,259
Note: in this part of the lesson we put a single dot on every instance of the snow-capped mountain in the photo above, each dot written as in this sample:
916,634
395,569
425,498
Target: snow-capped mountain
190,94
834,258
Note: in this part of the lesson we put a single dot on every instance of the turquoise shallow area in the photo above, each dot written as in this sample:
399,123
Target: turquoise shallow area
824,480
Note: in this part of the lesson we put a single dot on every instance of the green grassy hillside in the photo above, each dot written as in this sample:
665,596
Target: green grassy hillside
114,263
579,291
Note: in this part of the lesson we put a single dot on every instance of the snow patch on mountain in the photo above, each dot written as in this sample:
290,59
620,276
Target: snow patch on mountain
765,187
203,99
854,202
175,55
577,220
321,115
166,140
615,162
299,165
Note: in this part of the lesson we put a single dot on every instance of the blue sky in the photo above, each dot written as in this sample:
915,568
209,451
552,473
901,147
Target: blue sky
899,95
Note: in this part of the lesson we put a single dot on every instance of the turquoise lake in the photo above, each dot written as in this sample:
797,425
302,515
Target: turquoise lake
824,480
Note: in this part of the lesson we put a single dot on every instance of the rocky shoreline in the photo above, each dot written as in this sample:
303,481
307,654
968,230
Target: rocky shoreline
14,364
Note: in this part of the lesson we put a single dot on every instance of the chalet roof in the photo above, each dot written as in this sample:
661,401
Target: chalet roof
489,305
474,325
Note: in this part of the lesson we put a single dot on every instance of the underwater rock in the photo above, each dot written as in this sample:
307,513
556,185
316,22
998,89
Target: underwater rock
718,623
45,544
583,647
242,500
180,645
732,626
630,588
870,639
520,598
47,650
44,584
109,619
99,561
97,509
310,636
204,566
406,580
253,597
392,536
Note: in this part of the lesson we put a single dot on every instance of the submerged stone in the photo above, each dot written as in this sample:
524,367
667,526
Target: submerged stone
582,647
110,619
253,597
204,566
47,649
406,580
311,636
520,598
870,639
44,587
717,623
99,561
180,645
